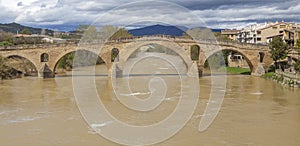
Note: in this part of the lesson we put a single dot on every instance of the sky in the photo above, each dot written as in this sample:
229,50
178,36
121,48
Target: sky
67,14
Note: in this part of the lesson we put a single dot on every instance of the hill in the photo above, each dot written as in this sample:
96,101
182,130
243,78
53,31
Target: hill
15,27
161,29
157,29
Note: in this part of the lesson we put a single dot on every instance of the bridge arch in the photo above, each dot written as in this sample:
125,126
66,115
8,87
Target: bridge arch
126,52
245,56
55,62
36,67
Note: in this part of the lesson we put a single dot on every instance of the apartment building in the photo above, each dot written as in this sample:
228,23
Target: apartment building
264,33
283,30
249,33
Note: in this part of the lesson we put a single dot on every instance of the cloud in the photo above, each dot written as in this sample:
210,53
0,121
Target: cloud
216,13
20,4
241,15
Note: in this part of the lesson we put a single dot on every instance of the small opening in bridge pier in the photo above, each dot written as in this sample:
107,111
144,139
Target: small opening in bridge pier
195,51
44,57
114,54
261,57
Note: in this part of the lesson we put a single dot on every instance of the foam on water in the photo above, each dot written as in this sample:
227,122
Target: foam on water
257,93
137,93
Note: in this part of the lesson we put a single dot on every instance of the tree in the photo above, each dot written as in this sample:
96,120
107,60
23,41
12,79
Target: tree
91,33
297,65
82,28
278,49
121,33
221,37
297,47
43,32
6,38
25,31
200,34
56,33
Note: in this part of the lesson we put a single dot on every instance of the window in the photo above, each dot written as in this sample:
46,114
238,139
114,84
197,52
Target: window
258,32
259,39
282,26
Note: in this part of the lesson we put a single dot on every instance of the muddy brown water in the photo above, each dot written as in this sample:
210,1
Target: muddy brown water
255,111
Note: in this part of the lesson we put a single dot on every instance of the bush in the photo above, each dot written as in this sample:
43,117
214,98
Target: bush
297,66
5,43
269,75
272,68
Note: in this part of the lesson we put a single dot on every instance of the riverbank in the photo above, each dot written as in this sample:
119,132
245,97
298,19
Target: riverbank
7,72
238,70
229,71
284,78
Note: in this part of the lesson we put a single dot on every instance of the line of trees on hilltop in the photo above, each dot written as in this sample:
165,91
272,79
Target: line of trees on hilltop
102,33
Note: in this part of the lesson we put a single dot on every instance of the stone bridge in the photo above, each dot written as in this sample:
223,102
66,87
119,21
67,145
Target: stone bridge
257,56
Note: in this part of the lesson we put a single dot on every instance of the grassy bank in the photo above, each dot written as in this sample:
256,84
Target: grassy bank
236,70
268,75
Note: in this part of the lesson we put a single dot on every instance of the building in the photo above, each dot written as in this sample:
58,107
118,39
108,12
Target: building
230,33
264,33
249,34
287,36
237,60
283,30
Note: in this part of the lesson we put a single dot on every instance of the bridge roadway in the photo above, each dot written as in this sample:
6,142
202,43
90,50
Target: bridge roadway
257,56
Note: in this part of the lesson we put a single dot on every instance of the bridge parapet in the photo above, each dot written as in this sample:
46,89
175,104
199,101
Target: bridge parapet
35,46
176,39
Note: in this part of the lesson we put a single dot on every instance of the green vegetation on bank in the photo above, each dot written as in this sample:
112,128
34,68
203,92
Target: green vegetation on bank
268,75
236,70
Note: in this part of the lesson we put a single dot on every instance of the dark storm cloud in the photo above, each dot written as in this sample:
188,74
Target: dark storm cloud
215,13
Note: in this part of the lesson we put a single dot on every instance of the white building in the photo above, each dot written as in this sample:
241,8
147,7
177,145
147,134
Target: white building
249,33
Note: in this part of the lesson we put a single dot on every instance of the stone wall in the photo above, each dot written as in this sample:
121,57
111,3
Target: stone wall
287,79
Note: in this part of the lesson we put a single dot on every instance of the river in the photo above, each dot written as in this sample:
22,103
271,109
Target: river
255,112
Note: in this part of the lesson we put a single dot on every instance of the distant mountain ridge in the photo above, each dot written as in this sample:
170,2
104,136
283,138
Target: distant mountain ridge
157,29
148,30
15,27
162,30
